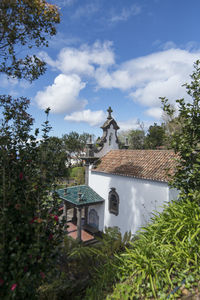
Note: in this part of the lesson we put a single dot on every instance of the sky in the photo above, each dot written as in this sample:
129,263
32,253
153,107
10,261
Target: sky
119,53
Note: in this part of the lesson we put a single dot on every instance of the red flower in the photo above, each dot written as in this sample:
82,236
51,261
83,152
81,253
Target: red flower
25,269
13,287
21,175
1,281
50,236
56,218
17,206
32,221
42,275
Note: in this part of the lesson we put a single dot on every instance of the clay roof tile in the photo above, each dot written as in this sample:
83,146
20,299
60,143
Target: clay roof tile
144,164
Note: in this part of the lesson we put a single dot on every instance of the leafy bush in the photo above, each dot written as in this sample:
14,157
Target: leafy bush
186,140
164,254
79,265
29,228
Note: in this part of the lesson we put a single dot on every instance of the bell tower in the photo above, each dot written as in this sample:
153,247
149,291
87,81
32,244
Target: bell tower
109,140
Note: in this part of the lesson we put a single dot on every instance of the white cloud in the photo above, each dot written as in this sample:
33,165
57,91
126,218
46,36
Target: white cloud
133,124
86,10
150,93
8,81
143,79
59,41
126,13
168,45
63,3
82,61
68,2
155,112
62,95
149,77
93,118
129,124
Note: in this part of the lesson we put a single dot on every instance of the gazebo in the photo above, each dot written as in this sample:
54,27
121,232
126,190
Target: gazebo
79,197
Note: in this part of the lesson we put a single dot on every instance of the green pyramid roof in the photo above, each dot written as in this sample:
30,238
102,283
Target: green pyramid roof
72,195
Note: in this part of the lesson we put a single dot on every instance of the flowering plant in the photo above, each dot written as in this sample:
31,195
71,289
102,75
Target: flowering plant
30,239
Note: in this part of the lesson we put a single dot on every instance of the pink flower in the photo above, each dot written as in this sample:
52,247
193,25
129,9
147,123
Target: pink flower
42,275
13,286
1,281
21,175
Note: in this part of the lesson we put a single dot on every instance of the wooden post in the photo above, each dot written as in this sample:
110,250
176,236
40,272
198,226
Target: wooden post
79,224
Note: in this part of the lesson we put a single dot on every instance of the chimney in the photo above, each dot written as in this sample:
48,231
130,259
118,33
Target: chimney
126,145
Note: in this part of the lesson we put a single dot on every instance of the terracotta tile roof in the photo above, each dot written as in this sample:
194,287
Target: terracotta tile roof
145,164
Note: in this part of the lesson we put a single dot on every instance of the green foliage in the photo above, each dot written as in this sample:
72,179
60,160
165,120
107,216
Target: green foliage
78,174
56,156
75,142
164,253
136,139
186,141
29,228
25,23
172,124
155,137
80,265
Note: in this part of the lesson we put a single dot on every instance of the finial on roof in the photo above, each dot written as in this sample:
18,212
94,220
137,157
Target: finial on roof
109,110
79,196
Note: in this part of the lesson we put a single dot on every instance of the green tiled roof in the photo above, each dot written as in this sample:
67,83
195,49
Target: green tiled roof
88,195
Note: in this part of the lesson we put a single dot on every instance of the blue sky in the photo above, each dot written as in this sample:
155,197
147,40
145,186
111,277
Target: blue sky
119,53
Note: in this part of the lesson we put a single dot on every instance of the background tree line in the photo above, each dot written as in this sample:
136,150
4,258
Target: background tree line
156,137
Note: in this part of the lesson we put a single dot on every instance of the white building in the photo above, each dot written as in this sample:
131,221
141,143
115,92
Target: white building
133,183
123,187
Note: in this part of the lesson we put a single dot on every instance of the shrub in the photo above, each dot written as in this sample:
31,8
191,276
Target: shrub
29,228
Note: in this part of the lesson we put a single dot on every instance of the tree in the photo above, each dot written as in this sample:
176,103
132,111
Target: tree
155,137
133,138
171,124
186,141
75,143
25,23
29,228
56,156
136,139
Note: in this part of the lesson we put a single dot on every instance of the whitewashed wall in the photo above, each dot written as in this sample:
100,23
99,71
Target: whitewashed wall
107,147
138,199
